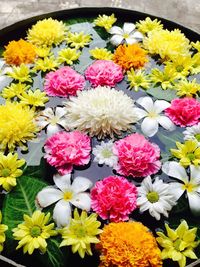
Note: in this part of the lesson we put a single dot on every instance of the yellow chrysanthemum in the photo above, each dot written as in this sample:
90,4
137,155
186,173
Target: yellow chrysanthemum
68,55
130,56
188,153
17,125
195,68
33,232
43,51
78,39
105,21
187,88
137,79
196,45
148,25
14,90
101,53
3,228
20,73
46,64
178,244
9,170
18,52
36,98
47,32
81,232
129,244
167,44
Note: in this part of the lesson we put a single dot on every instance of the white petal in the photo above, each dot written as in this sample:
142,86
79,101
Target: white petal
82,201
194,202
41,122
116,39
146,102
48,112
174,169
131,40
60,112
52,129
63,123
48,196
128,27
140,113
62,182
81,184
149,126
116,30
138,35
160,105
166,123
62,213
195,173
176,189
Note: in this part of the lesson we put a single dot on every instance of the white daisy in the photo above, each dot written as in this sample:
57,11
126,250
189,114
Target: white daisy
127,33
52,119
104,154
192,133
101,112
190,185
152,115
65,193
155,197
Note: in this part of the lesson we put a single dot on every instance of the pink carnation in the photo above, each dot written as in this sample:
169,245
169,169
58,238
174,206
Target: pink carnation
104,72
65,149
114,198
137,157
63,82
184,111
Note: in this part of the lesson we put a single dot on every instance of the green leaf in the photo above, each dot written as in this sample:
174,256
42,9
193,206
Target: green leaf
159,93
170,139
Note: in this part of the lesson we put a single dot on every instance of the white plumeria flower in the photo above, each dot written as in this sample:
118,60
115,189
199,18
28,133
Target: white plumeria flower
52,119
190,185
104,154
155,197
65,194
192,133
152,115
127,34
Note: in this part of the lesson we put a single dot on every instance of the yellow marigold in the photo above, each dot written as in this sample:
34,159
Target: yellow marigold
101,53
148,25
130,56
167,43
17,126
105,21
3,228
129,244
47,32
18,52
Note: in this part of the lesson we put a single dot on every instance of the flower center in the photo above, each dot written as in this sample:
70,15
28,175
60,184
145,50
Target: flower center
177,244
80,232
152,197
5,172
189,187
152,115
179,68
197,136
54,121
125,35
191,156
68,195
106,153
35,231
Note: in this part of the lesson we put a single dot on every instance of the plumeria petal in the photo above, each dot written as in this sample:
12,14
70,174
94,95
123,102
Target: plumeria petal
138,35
116,30
177,189
146,102
48,112
62,213
60,112
52,129
174,169
166,123
41,122
116,39
62,182
128,27
195,173
81,184
160,105
82,201
141,113
194,200
149,126
131,40
48,196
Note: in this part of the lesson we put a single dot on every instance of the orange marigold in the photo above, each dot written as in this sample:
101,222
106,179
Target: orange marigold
130,56
18,52
129,244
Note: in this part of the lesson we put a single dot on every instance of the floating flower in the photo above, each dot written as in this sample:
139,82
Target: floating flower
46,64
3,228
52,119
10,170
114,198
66,149
63,82
128,244
104,154
101,112
68,55
187,88
127,33
178,244
104,72
47,32
195,68
14,90
136,156
65,193
20,73
184,184
148,25
78,39
137,79
34,98
184,111
156,197
17,126
153,116
193,133
18,52
33,232
81,233
130,56
188,153
196,45
43,51
105,21
101,53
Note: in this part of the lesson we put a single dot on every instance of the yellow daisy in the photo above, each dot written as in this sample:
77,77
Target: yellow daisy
14,90
3,228
101,53
20,73
43,51
105,21
34,98
78,40
195,67
46,64
196,45
137,79
187,88
148,25
68,55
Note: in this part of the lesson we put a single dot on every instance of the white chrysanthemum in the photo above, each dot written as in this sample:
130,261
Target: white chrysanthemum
104,154
155,197
101,112
192,133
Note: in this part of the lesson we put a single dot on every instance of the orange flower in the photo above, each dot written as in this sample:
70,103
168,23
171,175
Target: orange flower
18,52
129,244
130,56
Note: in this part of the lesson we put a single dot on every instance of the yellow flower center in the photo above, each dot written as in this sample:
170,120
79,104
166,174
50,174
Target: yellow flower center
125,35
177,244
106,153
35,231
191,156
80,232
197,136
5,172
152,197
152,115
179,68
68,195
54,121
189,187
